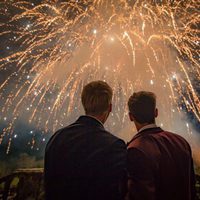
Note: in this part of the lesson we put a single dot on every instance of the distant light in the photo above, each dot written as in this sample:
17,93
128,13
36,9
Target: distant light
7,47
187,125
28,77
95,31
31,132
43,139
112,39
69,44
28,26
151,82
125,34
5,118
174,76
15,136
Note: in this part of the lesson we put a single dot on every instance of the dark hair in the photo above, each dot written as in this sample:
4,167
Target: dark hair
142,106
96,97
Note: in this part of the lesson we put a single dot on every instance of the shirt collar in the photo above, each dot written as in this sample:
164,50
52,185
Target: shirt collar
89,120
95,119
147,127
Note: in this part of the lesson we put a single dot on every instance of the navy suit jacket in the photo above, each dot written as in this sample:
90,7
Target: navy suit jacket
160,167
84,161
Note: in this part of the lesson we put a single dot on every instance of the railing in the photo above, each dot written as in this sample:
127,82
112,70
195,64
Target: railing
28,184
22,184
198,186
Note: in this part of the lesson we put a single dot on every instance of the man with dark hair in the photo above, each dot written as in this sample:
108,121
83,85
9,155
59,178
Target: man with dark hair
160,165
83,161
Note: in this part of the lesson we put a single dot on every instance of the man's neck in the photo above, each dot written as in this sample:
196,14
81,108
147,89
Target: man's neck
147,126
141,126
98,118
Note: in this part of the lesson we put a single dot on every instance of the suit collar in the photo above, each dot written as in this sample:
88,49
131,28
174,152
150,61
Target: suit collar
153,125
147,131
95,119
91,121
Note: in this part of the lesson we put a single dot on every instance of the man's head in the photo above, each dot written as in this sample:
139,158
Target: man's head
142,107
96,99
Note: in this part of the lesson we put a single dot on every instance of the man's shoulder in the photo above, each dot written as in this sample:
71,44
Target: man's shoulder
61,133
174,135
177,138
66,128
145,140
140,142
77,130
110,138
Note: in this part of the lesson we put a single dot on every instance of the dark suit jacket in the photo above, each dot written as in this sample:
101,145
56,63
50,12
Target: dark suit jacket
84,161
160,167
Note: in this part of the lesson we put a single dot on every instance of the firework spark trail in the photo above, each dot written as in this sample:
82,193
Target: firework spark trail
63,45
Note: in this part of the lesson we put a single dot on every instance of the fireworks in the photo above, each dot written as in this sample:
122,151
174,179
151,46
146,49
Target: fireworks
60,46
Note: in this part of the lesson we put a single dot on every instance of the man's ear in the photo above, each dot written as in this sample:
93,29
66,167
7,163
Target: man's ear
131,116
156,112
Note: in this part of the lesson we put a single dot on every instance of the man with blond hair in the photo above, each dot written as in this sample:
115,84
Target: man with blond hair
83,161
160,165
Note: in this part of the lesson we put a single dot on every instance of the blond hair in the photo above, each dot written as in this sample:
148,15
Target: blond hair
96,97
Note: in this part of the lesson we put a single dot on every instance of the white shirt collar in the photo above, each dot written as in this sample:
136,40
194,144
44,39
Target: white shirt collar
147,127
